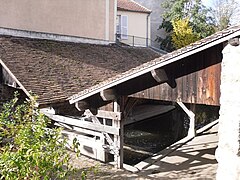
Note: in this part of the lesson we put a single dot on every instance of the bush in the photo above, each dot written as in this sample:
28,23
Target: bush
28,149
183,34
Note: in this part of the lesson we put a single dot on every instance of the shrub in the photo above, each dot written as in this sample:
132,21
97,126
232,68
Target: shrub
182,33
28,148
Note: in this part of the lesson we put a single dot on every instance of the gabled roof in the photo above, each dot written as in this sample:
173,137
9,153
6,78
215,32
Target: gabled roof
56,70
130,5
159,62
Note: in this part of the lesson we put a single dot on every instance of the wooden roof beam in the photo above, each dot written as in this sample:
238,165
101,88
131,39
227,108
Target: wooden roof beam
108,94
82,105
161,76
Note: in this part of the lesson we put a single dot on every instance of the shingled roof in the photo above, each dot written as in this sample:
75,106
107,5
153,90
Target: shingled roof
129,5
57,70
179,54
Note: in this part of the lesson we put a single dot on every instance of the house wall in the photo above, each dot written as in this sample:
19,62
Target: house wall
137,27
156,18
81,18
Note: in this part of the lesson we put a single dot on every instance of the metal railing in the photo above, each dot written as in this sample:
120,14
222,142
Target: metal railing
133,40
139,42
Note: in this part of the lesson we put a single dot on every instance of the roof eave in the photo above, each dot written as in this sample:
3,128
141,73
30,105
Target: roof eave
76,98
122,9
17,81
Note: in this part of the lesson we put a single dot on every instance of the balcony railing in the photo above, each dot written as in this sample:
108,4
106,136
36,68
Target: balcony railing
133,40
139,42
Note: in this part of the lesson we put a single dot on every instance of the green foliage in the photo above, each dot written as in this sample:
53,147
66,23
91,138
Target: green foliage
182,33
28,149
193,10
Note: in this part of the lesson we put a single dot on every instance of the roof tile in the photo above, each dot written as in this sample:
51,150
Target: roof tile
164,58
57,70
130,5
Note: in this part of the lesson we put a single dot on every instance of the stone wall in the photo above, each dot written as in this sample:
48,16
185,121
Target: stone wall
228,151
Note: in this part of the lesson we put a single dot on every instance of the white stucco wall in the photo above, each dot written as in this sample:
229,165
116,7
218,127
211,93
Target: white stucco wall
156,18
137,27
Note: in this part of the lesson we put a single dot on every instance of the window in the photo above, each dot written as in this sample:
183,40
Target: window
122,26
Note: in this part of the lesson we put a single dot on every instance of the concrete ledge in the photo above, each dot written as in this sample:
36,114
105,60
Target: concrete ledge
49,36
208,126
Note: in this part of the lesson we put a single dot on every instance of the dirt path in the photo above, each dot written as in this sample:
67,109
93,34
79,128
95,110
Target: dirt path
195,160
103,171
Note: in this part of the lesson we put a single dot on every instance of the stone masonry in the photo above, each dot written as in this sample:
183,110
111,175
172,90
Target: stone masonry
227,153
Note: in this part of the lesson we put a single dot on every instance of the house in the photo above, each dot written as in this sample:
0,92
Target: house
156,19
72,20
133,23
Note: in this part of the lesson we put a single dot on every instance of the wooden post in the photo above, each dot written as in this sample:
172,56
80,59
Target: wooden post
191,115
118,140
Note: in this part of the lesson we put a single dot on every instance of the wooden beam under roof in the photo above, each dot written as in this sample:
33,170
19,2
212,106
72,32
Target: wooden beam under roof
82,105
108,94
159,75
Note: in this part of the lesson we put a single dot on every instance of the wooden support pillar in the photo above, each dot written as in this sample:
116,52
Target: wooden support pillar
228,151
118,158
191,115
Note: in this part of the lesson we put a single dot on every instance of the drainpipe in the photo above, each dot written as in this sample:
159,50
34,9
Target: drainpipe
147,29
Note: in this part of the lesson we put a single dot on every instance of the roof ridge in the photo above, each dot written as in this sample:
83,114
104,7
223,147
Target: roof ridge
131,5
141,6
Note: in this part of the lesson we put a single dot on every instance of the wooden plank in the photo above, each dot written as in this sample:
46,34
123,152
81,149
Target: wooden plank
86,131
107,107
191,115
109,115
16,80
84,124
118,139
108,138
95,119
146,111
63,125
92,148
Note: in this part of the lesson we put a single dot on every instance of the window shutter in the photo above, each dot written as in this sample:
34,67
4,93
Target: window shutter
118,28
124,27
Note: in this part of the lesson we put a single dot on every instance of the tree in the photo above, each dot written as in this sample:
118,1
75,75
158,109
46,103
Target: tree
223,11
182,33
193,10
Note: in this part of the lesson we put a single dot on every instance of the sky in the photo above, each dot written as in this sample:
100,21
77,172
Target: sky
236,17
207,2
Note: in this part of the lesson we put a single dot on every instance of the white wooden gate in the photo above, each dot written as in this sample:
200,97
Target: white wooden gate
98,135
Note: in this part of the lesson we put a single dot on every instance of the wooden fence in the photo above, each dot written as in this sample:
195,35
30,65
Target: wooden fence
98,135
